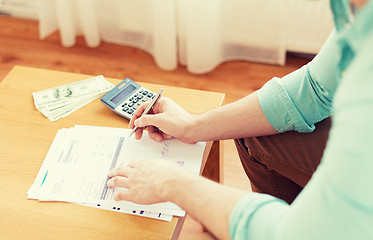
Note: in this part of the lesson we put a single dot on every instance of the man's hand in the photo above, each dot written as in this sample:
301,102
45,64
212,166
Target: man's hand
154,181
147,181
167,121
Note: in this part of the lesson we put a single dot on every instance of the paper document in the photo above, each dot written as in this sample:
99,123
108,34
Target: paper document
78,162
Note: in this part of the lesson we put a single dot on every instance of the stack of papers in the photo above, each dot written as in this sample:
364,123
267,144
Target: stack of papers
78,162
58,102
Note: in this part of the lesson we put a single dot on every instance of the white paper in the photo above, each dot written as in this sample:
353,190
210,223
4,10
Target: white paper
77,165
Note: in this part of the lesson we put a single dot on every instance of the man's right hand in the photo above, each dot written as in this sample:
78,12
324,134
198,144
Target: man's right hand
167,120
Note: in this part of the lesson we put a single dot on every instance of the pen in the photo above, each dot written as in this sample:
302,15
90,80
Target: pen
149,107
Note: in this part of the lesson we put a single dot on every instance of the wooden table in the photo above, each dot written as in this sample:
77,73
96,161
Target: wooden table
25,138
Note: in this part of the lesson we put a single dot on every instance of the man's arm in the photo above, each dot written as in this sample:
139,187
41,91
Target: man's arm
242,118
147,182
294,102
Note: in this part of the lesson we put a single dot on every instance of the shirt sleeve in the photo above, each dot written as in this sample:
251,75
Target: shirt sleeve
303,97
337,203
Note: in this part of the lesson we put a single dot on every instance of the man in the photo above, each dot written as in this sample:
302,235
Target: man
337,202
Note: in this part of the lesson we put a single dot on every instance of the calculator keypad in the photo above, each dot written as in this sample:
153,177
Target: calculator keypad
130,105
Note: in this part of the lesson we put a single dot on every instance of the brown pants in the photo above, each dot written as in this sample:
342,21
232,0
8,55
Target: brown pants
281,165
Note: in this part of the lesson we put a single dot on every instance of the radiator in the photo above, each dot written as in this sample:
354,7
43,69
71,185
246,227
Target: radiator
307,25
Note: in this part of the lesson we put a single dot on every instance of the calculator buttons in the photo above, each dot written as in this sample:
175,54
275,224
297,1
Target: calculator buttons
128,108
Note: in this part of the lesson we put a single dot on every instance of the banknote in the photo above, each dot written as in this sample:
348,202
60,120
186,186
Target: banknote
58,102
70,91
54,113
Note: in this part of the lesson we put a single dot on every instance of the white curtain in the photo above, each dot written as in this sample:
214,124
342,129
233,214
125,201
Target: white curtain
197,34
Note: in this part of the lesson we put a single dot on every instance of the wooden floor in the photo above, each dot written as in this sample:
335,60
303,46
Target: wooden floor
20,45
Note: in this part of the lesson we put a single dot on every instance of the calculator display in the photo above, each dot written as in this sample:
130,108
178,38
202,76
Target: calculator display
123,94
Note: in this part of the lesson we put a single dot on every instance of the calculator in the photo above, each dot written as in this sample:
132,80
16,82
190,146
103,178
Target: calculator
126,97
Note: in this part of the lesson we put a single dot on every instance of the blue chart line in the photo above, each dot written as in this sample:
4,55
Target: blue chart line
113,164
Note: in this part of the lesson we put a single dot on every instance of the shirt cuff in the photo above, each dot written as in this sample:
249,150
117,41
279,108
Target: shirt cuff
255,216
280,111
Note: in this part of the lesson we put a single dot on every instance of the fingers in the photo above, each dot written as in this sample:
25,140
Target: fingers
119,177
137,114
155,134
166,136
118,182
122,195
138,121
149,120
142,107
138,133
121,171
152,122
141,181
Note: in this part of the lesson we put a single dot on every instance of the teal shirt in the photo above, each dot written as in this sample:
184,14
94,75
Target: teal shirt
337,203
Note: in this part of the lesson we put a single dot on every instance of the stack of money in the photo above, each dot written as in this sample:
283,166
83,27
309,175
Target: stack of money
58,102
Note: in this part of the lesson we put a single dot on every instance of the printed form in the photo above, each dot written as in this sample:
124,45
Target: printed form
78,162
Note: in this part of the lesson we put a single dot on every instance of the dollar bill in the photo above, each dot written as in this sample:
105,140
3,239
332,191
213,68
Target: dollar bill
71,91
53,113
66,111
58,102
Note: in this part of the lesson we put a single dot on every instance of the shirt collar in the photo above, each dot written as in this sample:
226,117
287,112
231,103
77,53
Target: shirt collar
352,29
341,13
